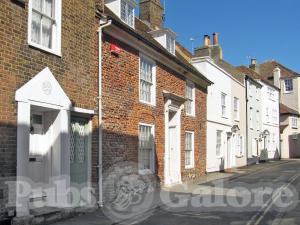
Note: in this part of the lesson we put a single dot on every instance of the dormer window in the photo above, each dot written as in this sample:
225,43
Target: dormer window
166,38
127,12
124,9
171,44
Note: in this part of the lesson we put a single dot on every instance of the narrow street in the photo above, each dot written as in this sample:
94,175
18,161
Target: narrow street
266,196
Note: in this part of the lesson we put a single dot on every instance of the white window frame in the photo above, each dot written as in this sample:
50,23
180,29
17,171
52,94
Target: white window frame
190,84
152,156
219,145
236,108
170,44
56,29
192,165
223,105
153,87
126,20
291,85
294,122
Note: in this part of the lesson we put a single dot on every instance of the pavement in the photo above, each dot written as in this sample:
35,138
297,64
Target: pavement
263,194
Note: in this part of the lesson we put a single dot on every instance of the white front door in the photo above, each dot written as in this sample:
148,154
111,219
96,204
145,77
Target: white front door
174,156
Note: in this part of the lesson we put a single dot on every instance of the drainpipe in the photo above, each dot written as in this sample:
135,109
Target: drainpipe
103,24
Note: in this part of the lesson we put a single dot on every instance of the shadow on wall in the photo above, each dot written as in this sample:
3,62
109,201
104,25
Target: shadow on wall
294,145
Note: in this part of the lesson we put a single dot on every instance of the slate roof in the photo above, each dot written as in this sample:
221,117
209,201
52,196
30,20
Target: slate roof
231,70
267,68
141,32
284,110
255,76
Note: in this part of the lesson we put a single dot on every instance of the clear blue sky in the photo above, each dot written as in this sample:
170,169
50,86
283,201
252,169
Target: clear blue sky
262,29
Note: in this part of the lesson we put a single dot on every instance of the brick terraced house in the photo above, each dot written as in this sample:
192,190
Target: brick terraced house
48,100
153,99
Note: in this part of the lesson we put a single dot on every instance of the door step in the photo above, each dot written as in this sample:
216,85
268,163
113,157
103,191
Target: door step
49,215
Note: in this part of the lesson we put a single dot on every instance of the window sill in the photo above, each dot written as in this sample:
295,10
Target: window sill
239,156
146,172
219,157
189,167
190,115
148,103
237,120
44,49
287,92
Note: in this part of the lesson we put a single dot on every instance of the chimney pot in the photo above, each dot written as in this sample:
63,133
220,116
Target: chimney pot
216,38
206,41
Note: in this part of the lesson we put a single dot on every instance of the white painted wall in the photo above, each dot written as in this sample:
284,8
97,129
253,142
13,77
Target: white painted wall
271,124
222,84
239,91
254,102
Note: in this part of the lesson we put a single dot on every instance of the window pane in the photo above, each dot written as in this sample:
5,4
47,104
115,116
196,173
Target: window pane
123,11
49,8
37,5
36,28
46,32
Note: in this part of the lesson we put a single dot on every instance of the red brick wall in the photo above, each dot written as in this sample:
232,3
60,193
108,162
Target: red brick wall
122,111
76,70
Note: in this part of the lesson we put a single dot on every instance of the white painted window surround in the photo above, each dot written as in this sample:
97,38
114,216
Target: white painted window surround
190,96
44,25
223,105
127,12
189,150
147,80
146,148
288,86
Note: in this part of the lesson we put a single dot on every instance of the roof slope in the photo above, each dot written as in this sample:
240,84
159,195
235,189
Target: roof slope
255,76
267,68
231,70
141,32
284,110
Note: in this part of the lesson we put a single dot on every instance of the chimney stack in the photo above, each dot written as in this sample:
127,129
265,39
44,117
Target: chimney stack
253,65
277,76
216,38
152,12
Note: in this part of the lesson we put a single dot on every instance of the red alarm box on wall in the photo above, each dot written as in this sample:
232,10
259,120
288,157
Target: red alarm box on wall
115,49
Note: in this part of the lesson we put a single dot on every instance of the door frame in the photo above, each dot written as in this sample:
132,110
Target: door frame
173,103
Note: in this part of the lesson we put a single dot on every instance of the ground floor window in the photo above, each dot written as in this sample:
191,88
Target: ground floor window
146,147
219,143
189,149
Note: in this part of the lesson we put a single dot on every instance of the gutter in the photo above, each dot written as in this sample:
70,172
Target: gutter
103,24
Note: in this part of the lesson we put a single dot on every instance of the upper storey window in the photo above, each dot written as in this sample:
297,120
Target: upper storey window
171,44
44,28
127,12
166,38
288,85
